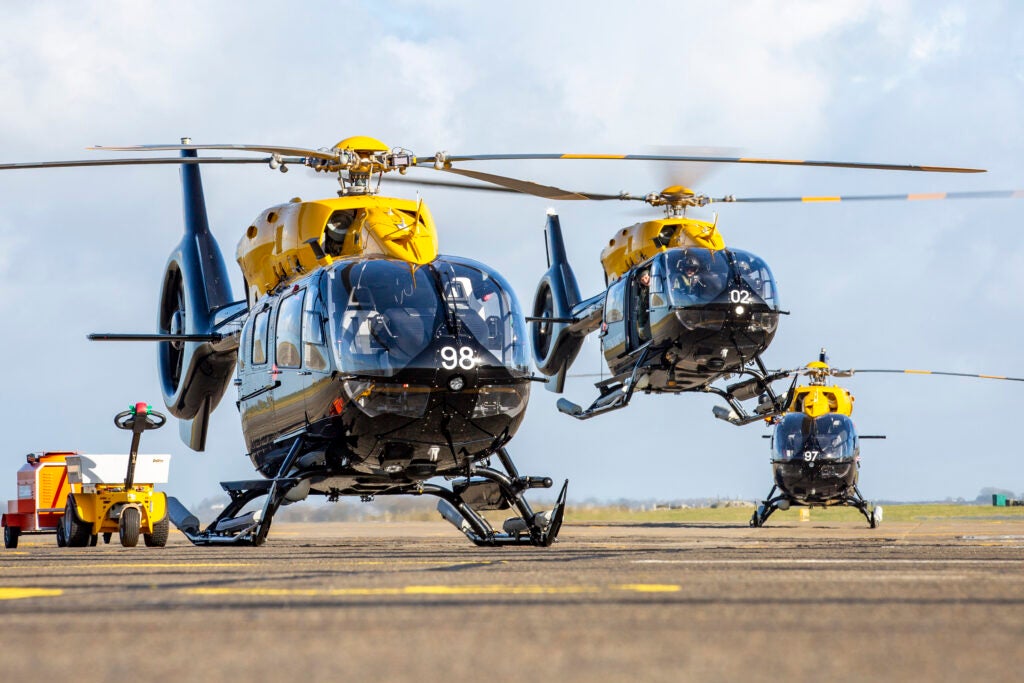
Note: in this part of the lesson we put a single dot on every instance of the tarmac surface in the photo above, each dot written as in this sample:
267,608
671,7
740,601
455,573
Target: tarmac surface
934,600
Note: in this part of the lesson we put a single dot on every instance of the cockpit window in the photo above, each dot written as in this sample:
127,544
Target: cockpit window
696,276
756,275
385,315
799,435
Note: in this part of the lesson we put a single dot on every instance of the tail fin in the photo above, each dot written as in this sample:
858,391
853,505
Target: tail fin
194,374
555,346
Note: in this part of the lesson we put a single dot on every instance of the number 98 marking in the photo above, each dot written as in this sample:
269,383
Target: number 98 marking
452,358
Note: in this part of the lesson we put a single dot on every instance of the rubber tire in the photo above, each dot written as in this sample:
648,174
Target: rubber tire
93,540
106,537
128,526
76,533
62,538
11,534
158,539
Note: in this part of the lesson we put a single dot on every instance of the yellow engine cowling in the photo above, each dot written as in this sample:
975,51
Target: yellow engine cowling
821,400
288,240
641,241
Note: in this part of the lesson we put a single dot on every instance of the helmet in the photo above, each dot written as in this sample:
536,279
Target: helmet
690,262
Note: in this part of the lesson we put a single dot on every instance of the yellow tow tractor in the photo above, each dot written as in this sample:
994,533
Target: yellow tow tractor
101,504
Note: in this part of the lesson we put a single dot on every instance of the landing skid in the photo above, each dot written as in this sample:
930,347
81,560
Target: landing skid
484,488
529,528
614,395
784,502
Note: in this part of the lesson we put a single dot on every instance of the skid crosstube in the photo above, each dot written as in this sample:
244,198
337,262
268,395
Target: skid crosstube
503,489
783,501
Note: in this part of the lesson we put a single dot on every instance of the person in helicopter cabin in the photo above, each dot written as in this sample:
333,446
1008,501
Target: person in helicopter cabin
643,299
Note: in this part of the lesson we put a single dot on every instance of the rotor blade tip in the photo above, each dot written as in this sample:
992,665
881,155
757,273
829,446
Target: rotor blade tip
552,212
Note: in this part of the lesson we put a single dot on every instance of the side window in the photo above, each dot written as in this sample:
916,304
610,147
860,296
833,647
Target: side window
259,337
314,348
289,331
613,303
657,293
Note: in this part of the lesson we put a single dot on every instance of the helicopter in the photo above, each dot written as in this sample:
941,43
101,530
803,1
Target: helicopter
816,447
680,310
366,363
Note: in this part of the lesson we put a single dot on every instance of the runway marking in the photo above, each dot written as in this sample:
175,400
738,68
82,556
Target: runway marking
649,587
157,565
486,589
21,593
831,561
434,563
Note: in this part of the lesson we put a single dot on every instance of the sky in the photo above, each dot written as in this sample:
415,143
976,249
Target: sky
933,285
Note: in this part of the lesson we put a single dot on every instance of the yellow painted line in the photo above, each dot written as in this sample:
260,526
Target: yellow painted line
649,587
821,199
21,593
593,156
432,563
160,565
926,195
486,589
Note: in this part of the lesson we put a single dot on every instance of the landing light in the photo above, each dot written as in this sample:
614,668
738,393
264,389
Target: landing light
457,382
740,310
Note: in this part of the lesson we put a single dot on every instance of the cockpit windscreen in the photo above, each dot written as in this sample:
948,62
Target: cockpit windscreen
385,314
699,276
830,436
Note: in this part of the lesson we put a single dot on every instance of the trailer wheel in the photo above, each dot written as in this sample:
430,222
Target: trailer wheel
93,540
158,539
62,535
75,532
106,537
11,534
128,526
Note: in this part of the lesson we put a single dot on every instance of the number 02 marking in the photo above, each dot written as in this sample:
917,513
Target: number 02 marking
739,296
452,358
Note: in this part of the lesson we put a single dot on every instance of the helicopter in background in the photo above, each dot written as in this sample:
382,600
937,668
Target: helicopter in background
815,445
680,310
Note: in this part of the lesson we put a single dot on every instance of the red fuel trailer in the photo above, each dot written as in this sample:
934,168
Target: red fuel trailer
43,489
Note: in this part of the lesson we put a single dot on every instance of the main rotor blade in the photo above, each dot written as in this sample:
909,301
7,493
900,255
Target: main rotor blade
527,187
704,159
913,197
142,162
935,372
267,149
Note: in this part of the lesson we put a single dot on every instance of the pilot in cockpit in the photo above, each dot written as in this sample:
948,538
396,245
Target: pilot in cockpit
687,278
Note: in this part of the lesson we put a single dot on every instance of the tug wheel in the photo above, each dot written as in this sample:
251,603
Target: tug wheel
62,534
11,534
128,526
106,537
158,539
76,534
